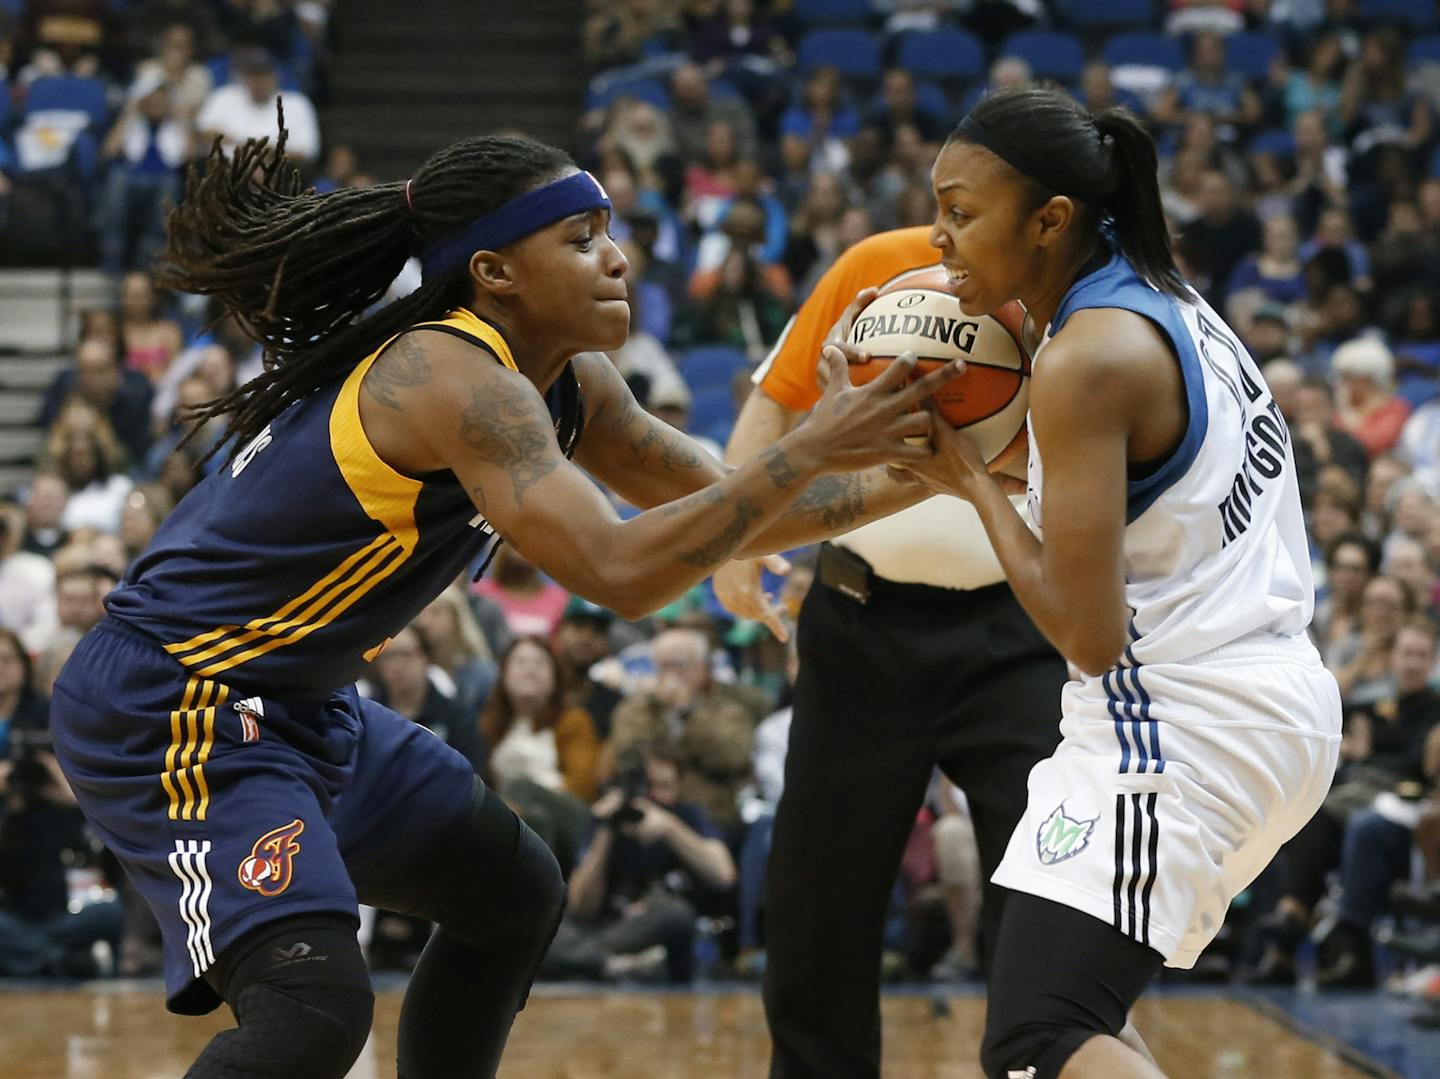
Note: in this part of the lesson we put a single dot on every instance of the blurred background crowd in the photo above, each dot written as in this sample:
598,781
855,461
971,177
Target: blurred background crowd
745,145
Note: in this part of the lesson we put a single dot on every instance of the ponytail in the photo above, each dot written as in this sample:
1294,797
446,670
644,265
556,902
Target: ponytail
1106,163
299,269
1133,203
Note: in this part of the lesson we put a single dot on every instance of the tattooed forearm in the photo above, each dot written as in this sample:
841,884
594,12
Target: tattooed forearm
402,365
507,429
711,495
724,545
837,500
781,472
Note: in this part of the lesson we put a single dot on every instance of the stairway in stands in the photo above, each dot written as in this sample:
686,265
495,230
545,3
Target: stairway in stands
39,311
410,78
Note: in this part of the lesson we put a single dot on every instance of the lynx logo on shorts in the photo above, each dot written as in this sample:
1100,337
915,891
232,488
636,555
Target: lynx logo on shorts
270,866
1062,837
251,711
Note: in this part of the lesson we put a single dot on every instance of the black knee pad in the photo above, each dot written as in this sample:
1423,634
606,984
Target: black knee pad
301,994
522,897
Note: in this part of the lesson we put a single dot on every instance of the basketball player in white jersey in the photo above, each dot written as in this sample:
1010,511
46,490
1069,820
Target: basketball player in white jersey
1167,563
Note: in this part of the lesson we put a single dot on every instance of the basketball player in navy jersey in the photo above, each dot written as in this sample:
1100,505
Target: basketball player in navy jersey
1168,564
208,725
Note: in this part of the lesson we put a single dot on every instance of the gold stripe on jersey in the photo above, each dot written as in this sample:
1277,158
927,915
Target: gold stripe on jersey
386,496
222,694
192,737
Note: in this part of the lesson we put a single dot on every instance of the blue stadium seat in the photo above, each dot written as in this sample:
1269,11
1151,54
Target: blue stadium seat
1418,14
651,91
4,108
13,8
711,368
1093,14
1424,50
811,13
930,98
1278,141
1250,52
854,53
711,412
219,67
1145,48
725,90
1435,163
942,54
68,93
1050,54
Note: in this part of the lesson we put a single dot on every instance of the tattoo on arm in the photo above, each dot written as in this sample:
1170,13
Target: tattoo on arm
837,500
402,365
646,435
779,468
711,495
507,429
727,541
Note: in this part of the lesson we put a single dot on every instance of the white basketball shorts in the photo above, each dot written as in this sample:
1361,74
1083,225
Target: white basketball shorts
1174,786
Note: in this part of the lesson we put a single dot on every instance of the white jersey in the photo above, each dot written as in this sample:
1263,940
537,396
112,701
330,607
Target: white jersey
1214,545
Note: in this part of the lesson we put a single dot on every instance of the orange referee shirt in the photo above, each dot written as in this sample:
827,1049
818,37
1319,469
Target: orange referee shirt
788,373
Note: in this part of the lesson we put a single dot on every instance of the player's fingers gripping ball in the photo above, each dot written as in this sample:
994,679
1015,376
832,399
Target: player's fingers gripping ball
915,313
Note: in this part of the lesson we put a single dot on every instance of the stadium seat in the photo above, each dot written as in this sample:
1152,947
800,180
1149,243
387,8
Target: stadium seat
1050,54
711,368
1418,14
812,13
1098,14
651,91
854,53
1435,163
1425,50
70,94
952,55
1278,142
725,90
4,108
930,98
1250,52
712,411
1144,49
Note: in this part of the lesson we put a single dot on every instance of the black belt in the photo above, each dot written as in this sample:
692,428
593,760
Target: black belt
846,572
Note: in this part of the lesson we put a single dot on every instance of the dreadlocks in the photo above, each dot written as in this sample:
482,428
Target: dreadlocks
298,269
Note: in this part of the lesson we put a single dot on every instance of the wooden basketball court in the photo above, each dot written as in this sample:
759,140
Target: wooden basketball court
123,1032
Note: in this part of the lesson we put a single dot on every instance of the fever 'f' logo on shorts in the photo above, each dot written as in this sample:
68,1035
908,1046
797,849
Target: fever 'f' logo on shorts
271,863
1062,837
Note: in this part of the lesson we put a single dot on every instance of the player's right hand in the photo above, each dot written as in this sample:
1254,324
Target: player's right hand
738,588
852,428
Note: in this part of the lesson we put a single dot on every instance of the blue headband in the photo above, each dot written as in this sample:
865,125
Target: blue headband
518,218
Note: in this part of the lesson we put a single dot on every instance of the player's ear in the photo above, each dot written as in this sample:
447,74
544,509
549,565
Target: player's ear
492,273
1051,220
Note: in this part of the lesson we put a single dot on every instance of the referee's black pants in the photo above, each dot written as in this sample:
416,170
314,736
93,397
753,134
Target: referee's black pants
916,677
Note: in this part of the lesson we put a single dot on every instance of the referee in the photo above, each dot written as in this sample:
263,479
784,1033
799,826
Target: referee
914,653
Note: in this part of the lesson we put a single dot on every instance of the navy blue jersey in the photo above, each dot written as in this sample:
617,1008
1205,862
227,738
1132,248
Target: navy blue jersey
288,570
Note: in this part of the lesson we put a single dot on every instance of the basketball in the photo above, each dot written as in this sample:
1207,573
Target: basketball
915,313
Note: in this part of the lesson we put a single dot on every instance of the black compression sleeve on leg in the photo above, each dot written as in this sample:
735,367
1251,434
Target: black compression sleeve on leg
498,902
301,995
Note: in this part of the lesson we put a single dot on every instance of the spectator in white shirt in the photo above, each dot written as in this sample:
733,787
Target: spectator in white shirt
245,108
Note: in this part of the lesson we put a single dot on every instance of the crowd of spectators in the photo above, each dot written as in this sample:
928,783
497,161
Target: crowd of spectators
1303,192
103,103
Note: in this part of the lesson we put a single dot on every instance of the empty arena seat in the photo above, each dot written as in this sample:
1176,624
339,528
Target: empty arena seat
854,53
1277,141
1250,52
1051,54
953,55
1425,50
1144,48
1097,14
1418,14
712,367
811,13
651,91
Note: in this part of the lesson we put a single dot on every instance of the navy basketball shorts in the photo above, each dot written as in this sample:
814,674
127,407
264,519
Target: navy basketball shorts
231,809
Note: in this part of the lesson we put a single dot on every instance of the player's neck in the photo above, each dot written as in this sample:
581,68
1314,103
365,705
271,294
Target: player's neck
1051,284
538,360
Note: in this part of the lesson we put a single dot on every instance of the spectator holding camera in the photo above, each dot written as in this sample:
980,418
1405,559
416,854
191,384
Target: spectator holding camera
633,894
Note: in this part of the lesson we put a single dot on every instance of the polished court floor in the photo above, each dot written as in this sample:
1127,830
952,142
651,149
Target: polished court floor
118,1031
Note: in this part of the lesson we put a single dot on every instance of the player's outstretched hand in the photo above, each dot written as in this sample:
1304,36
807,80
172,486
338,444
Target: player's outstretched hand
854,428
738,588
955,466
